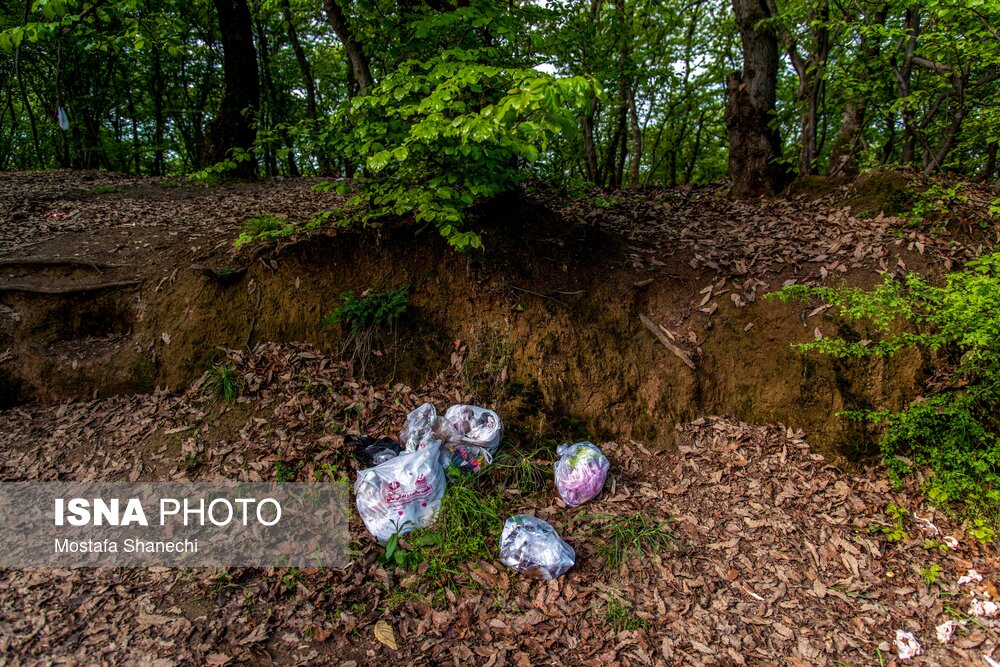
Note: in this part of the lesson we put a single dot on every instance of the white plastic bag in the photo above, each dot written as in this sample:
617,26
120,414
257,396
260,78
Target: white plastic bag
421,429
531,546
580,472
402,494
472,434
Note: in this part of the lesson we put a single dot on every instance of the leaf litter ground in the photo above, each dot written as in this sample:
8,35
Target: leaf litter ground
779,557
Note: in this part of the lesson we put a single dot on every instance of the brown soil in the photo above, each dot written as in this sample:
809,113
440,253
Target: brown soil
564,289
782,559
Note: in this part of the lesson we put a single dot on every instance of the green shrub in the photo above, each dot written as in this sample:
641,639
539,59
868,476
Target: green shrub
264,227
952,435
621,616
467,529
935,204
440,135
640,535
365,317
370,309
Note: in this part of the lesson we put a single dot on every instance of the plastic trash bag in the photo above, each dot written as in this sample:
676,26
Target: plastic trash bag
402,494
421,429
371,451
532,547
472,434
580,472
63,119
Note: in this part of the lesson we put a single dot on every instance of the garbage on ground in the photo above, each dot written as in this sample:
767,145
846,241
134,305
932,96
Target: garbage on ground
421,429
970,577
402,494
580,472
472,435
372,451
946,632
906,645
531,546
984,608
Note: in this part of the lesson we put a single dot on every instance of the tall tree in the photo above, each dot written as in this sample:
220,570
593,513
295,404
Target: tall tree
288,20
751,94
233,125
355,52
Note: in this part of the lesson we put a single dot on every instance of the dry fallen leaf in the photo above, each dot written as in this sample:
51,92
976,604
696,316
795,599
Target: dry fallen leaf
385,634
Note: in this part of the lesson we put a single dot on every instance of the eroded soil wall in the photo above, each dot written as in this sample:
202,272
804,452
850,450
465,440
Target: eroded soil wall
555,306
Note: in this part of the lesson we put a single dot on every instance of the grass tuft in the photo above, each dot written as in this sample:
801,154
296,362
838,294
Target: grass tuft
222,382
621,616
637,535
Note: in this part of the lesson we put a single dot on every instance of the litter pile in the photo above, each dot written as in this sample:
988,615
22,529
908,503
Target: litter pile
403,486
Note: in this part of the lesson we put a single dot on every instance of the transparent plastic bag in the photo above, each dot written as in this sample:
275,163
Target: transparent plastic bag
472,434
580,472
402,494
421,429
532,547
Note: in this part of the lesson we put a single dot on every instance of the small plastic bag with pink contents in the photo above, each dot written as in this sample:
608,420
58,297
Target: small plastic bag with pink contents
580,472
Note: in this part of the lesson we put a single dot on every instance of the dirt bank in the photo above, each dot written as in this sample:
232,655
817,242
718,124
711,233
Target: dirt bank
557,297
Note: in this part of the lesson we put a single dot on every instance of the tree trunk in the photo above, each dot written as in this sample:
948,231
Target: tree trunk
991,162
307,77
959,83
628,98
232,126
587,122
850,136
809,71
158,119
24,92
754,145
136,146
589,150
610,171
689,170
847,145
359,61
903,74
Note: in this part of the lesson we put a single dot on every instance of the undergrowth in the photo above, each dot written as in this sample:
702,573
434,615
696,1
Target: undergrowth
487,370
366,317
621,616
950,437
222,382
269,227
639,535
466,530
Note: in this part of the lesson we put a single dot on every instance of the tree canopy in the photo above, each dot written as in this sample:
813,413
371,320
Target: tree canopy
434,105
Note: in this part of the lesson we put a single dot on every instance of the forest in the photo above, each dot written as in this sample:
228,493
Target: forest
562,332
663,89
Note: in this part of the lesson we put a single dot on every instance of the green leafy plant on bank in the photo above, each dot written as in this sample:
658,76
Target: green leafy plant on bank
936,204
366,316
951,436
440,135
621,616
466,530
